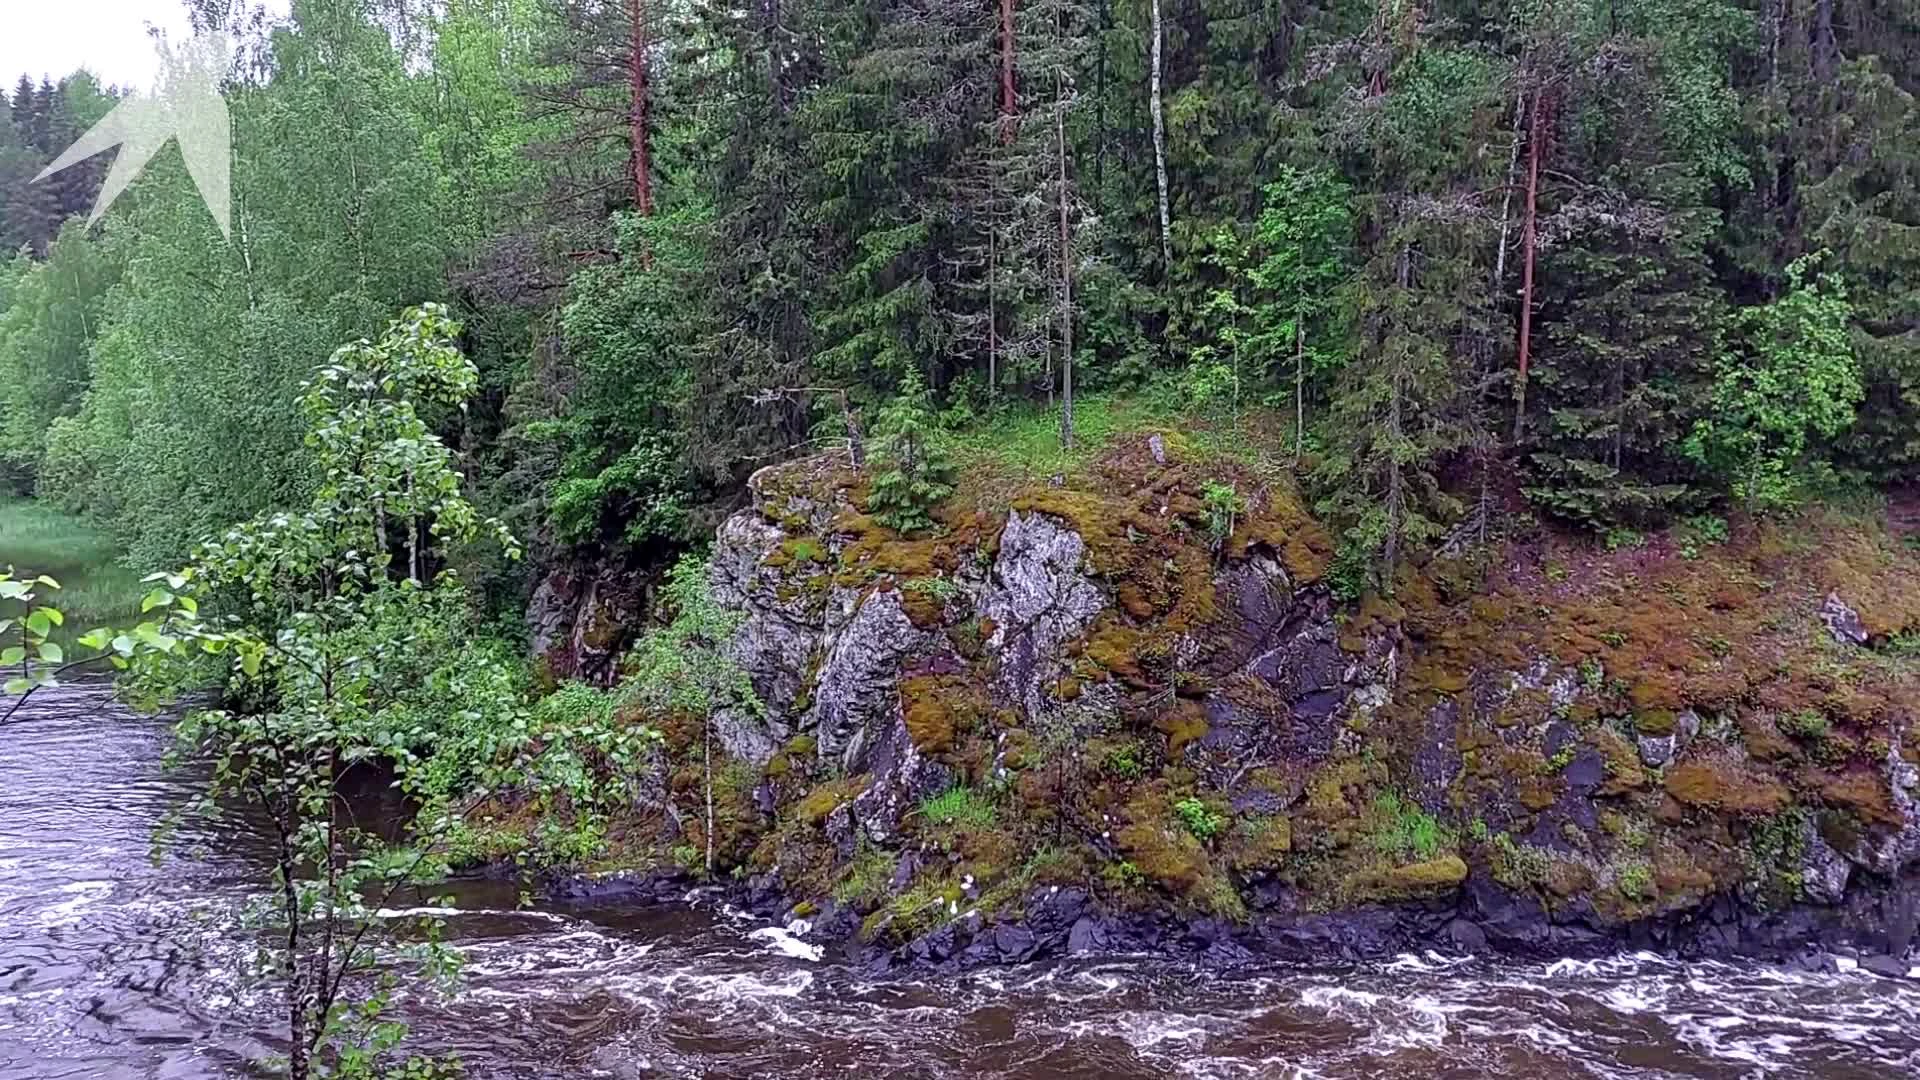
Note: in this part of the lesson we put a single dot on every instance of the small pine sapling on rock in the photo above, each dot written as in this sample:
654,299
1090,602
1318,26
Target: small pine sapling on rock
911,470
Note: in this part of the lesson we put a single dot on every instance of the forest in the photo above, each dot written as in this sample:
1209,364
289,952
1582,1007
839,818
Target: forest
1610,263
1215,460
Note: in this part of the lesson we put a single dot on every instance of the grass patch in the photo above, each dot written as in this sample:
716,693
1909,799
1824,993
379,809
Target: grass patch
1405,831
958,806
1024,439
95,590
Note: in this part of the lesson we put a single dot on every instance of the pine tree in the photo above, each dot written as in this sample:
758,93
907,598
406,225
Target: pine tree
1628,310
911,473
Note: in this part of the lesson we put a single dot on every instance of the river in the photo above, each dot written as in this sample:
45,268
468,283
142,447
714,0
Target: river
114,965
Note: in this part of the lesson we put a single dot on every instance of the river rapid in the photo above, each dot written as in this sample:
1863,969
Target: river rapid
115,965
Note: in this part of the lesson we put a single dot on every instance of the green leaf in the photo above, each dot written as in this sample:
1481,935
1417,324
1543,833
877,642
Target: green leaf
52,653
13,590
38,623
53,614
123,645
12,655
96,638
17,686
154,599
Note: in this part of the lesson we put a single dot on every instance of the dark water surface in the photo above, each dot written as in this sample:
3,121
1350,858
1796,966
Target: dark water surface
113,966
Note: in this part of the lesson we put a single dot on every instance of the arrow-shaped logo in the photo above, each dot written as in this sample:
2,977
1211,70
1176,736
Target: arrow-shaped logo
186,104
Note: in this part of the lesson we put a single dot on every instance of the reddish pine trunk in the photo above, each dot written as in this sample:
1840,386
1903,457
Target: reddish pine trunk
642,101
1529,233
1009,109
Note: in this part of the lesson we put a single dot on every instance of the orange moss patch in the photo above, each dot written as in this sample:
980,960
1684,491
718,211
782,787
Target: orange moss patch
1183,723
929,721
1718,786
1624,772
1763,739
1117,649
1866,794
937,708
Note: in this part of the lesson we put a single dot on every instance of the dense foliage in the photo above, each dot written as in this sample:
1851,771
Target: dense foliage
1547,242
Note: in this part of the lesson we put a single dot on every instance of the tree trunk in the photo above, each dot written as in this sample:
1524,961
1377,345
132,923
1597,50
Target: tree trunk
299,1059
1100,100
706,761
1825,50
1066,265
856,440
413,535
993,306
1506,197
1299,385
1009,107
637,114
1529,235
1160,149
775,87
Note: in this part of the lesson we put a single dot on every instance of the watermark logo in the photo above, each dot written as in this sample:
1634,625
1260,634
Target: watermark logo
185,105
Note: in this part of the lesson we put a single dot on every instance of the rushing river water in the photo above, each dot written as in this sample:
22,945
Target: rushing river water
114,966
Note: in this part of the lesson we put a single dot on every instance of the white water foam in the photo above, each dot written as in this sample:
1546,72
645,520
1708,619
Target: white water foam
784,942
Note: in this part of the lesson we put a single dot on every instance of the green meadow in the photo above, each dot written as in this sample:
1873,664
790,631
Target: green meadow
95,589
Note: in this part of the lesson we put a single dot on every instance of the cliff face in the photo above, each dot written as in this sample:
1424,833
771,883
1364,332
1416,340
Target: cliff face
1092,710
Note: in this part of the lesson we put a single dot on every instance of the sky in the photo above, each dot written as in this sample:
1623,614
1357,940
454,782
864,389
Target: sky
107,37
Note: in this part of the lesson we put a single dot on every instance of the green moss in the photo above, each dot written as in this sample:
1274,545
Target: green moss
1258,842
918,911
828,797
1656,723
1429,878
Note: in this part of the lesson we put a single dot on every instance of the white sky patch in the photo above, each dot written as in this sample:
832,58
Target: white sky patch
109,38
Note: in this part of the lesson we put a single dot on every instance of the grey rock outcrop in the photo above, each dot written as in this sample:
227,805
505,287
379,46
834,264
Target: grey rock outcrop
1656,751
856,697
1039,598
1890,851
1842,621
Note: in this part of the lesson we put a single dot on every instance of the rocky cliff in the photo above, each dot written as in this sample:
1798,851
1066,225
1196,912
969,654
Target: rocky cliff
1101,711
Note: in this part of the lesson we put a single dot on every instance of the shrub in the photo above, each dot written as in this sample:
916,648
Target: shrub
1636,881
1222,503
1807,724
1199,818
1404,830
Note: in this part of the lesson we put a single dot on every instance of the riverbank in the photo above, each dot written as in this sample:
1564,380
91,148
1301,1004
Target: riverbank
1091,700
122,968
95,588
